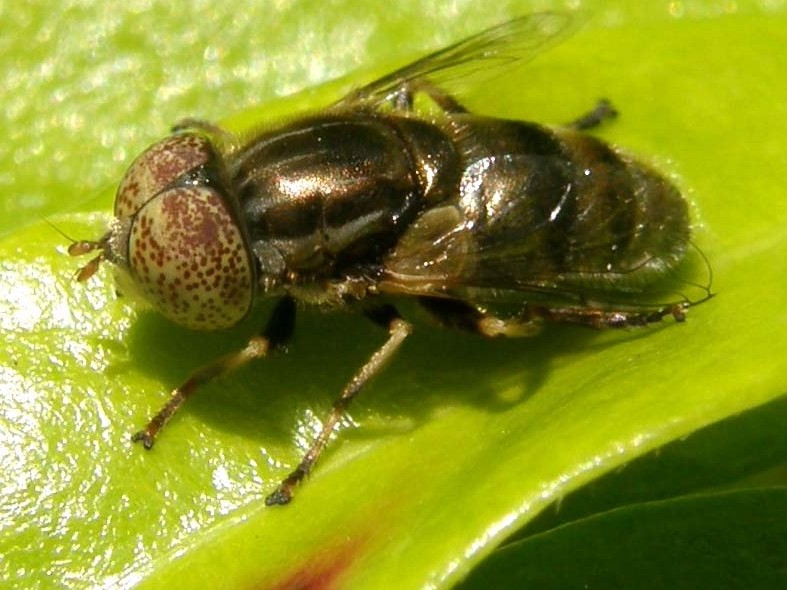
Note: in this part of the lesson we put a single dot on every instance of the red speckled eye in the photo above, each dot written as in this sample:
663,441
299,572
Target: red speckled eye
189,259
158,166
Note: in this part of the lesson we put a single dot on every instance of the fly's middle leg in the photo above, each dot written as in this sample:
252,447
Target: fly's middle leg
277,332
603,111
404,98
398,330
454,313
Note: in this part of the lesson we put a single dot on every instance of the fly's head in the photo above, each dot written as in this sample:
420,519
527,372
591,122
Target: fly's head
176,241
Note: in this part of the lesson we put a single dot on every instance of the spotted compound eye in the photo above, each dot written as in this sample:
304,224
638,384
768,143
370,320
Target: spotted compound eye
157,167
188,258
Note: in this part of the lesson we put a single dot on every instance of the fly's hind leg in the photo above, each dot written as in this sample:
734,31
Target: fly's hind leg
465,316
277,332
603,111
608,318
398,330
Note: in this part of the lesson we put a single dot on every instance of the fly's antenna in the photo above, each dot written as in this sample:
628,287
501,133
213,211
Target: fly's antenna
60,231
81,247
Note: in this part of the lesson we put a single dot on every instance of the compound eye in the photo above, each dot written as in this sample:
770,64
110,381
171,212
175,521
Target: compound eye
158,167
189,259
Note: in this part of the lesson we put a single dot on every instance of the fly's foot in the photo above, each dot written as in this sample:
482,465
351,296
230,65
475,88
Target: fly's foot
679,312
283,493
280,497
146,438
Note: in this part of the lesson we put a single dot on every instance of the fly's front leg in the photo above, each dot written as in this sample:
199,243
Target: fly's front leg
203,125
277,332
215,132
398,330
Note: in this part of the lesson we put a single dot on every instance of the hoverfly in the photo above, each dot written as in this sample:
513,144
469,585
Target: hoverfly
372,199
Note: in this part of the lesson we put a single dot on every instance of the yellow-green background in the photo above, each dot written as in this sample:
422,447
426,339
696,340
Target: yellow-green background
462,441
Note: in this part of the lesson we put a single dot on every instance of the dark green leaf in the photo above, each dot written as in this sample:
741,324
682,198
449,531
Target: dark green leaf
727,540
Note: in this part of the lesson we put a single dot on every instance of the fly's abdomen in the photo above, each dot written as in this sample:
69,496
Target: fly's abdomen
635,220
559,208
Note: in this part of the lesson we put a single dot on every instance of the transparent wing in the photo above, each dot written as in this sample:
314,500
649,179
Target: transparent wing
570,250
458,265
470,62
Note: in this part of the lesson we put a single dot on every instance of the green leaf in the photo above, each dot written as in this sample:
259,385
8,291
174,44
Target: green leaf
461,441
752,444
726,540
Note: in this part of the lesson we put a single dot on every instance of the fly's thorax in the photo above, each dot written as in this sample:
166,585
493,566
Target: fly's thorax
177,241
325,195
